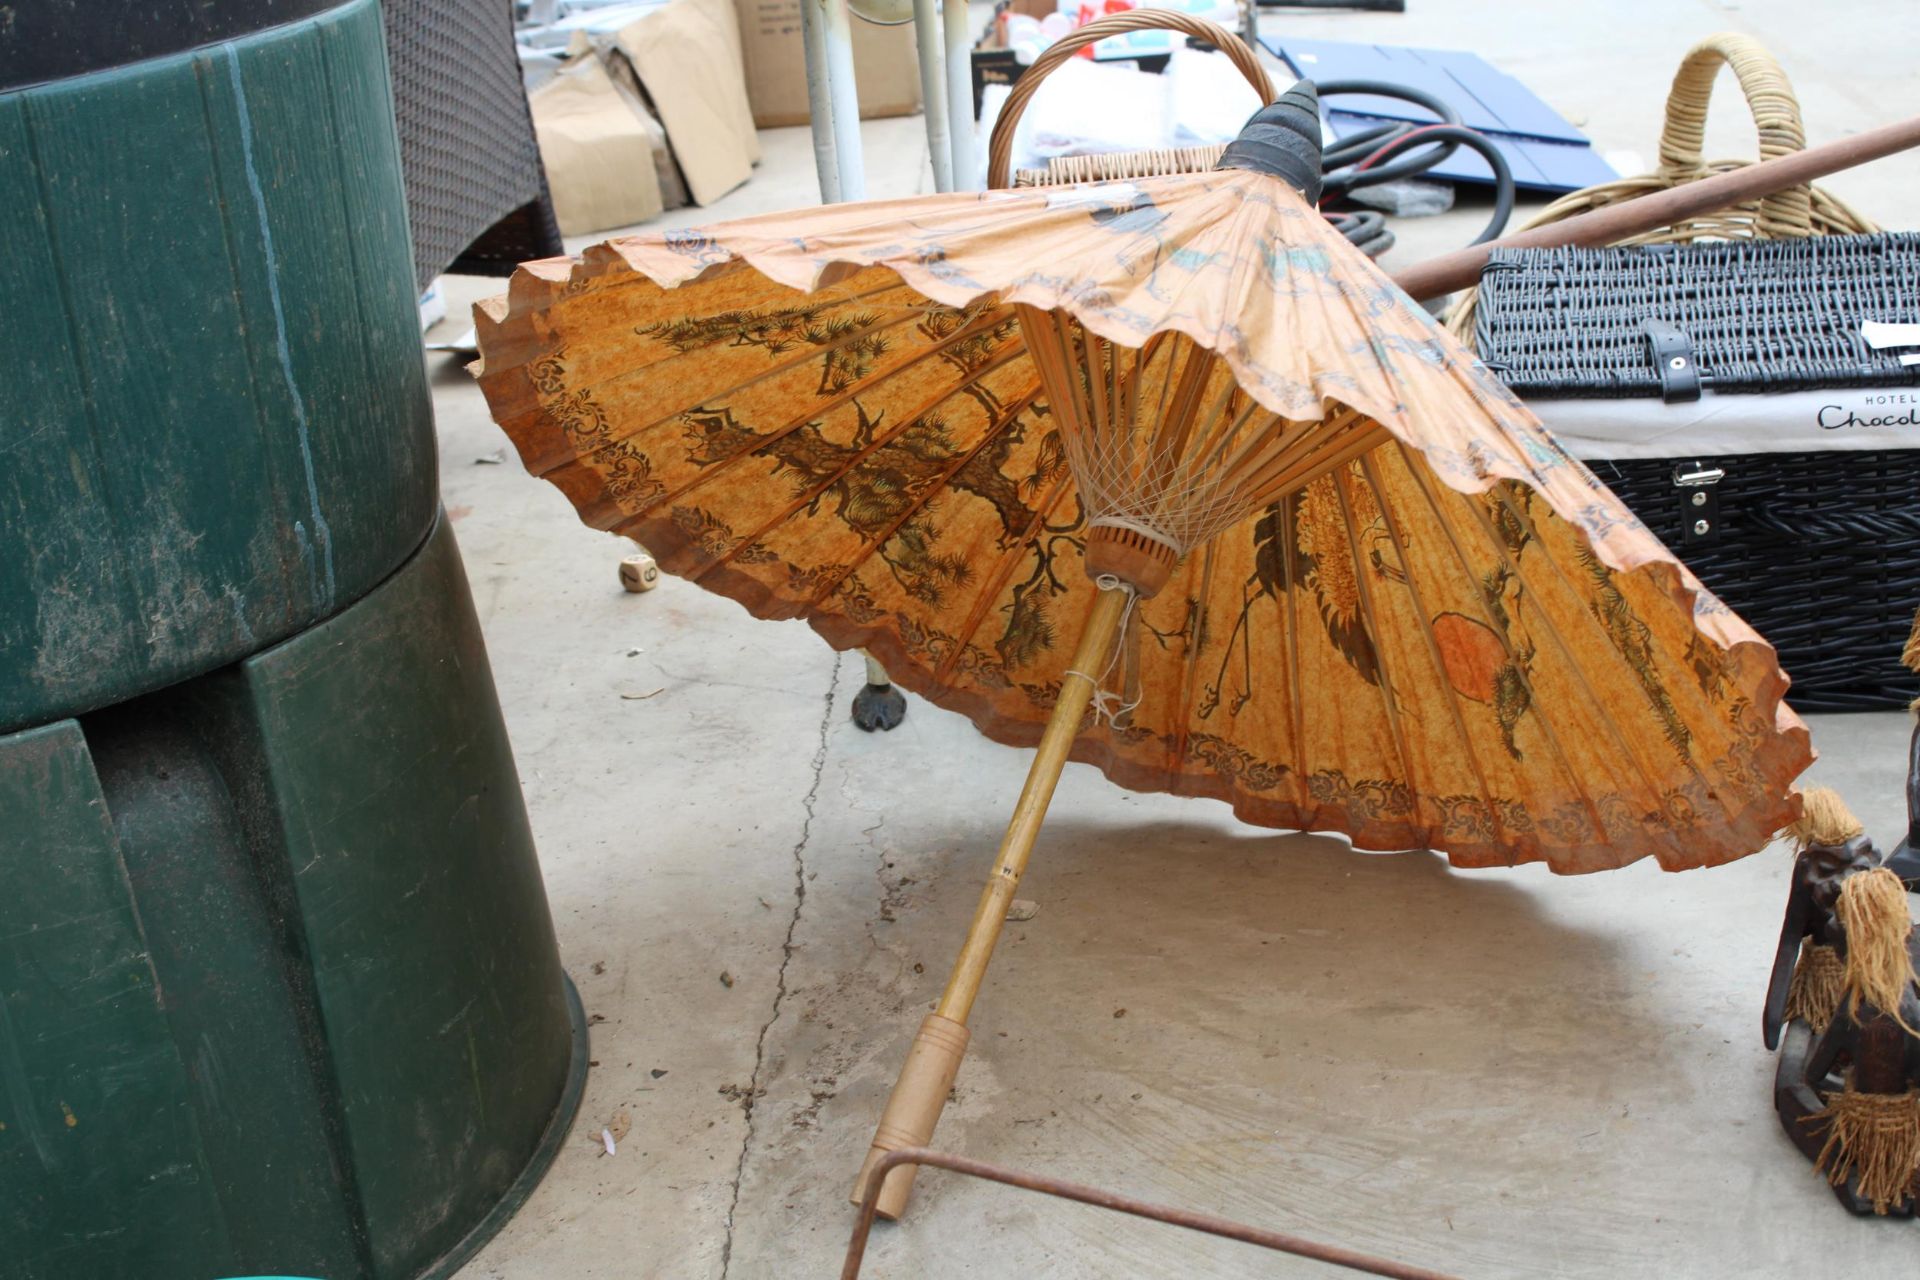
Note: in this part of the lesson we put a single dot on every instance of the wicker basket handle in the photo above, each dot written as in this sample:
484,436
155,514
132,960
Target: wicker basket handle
1776,115
1000,147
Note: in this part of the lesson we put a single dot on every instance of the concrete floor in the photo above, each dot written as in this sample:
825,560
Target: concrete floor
1491,1073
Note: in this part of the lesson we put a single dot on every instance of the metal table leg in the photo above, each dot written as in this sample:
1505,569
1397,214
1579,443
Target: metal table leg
959,95
933,100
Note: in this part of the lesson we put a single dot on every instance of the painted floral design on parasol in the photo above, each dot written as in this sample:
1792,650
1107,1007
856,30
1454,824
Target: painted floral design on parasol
1335,574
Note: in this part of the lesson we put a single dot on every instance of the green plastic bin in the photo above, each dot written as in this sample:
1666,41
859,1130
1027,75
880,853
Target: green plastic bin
279,992
215,427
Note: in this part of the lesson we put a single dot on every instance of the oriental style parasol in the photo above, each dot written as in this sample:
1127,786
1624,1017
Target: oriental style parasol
1335,574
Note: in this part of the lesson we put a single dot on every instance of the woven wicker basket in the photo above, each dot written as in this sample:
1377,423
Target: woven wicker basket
1756,315
1115,165
1797,211
1819,550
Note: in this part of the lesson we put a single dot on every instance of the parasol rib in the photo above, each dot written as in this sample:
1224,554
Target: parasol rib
1587,620
1190,678
1359,437
1568,772
1009,565
908,421
1684,689
1544,619
1363,595
761,443
1452,697
926,496
804,355
1289,549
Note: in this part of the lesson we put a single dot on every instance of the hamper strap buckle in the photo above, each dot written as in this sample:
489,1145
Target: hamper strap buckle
1673,361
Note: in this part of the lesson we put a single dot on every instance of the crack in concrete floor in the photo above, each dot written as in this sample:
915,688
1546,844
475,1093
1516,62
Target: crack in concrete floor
754,1088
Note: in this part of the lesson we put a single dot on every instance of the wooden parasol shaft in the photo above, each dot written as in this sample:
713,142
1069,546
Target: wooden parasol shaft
919,1095
1605,225
1089,659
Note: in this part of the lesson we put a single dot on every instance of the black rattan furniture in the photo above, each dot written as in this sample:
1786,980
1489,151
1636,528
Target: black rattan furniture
476,193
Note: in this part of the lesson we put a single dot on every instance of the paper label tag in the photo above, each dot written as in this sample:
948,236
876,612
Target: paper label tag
1102,194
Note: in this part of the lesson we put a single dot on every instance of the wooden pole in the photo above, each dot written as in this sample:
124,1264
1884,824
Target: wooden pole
1609,223
920,1093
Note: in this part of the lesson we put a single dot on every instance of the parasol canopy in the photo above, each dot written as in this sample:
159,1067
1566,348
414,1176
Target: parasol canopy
1333,572
1390,604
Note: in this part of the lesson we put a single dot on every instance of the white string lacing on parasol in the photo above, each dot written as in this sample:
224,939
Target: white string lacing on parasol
1150,490
1163,441
1108,705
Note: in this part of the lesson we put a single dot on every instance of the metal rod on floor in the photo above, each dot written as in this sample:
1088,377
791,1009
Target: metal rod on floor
845,95
813,37
933,100
959,95
1204,1222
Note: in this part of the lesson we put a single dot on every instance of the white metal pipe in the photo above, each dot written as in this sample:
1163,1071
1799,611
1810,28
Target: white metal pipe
846,98
826,160
959,94
933,99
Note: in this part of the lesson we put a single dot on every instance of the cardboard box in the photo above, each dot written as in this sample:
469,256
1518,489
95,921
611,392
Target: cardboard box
688,58
597,149
673,184
885,66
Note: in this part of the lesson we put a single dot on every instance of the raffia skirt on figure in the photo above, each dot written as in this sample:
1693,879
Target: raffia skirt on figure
1873,1138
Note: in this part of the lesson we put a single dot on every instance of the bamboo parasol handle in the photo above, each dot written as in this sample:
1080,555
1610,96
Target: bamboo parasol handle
1017,845
1461,268
1000,146
920,1094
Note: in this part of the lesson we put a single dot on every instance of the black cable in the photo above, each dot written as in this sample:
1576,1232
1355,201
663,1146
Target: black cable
1502,174
1432,145
1340,177
1365,229
1388,89
1356,147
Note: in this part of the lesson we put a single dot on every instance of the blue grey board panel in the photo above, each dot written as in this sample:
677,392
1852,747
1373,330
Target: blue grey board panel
1545,152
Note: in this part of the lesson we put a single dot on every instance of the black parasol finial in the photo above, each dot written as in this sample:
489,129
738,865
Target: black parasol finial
1283,139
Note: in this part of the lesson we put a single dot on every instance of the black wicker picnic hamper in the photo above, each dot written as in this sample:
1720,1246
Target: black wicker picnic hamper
1819,550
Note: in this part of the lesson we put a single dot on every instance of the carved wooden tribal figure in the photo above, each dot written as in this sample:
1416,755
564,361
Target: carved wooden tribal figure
1865,1067
1808,964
